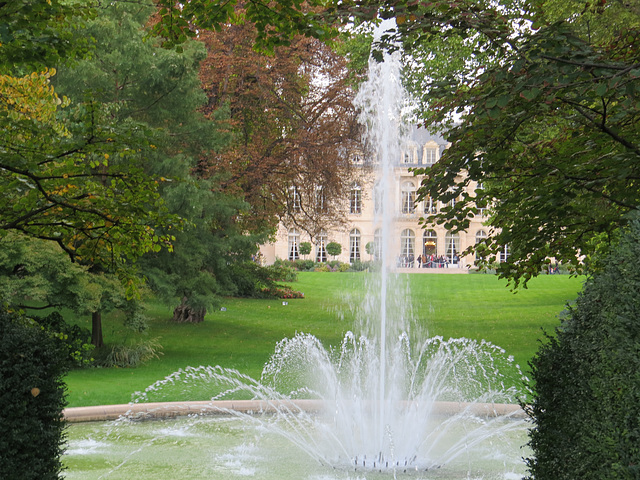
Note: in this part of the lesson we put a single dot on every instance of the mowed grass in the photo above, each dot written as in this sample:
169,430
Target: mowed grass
244,335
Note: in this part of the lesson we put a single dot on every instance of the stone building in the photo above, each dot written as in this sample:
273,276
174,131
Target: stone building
409,239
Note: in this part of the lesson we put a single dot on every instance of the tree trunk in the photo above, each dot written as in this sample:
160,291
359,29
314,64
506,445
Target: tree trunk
183,313
96,329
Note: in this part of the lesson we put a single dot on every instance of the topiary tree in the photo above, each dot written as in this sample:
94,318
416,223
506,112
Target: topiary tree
305,248
334,249
587,379
32,365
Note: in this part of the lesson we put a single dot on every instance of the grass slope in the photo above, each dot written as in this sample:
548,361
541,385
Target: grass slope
244,336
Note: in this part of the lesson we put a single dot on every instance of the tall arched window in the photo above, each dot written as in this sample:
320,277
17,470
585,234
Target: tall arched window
452,245
354,245
294,241
408,197
377,244
480,236
377,198
294,199
430,242
321,247
321,200
408,244
355,199
430,205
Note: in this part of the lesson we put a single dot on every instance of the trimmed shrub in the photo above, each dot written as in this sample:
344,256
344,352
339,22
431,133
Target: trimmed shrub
587,379
32,396
334,249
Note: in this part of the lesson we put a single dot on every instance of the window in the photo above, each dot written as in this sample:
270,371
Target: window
504,253
321,203
481,211
410,154
430,242
321,247
407,244
430,206
354,245
430,155
377,244
377,198
408,197
294,240
480,236
355,199
294,199
452,245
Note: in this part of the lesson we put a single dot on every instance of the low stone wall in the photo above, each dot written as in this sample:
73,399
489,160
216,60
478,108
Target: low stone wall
145,411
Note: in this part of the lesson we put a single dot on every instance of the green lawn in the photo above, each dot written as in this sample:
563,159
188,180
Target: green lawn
243,337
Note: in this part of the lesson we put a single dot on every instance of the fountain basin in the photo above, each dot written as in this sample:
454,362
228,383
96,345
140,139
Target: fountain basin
197,440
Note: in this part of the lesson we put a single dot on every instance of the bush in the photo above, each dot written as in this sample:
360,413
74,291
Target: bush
282,291
32,396
132,355
587,379
304,265
76,340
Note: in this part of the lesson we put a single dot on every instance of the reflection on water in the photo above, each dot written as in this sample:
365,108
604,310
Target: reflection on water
228,448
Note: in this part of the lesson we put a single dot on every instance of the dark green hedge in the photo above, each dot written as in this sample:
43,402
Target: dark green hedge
32,396
586,408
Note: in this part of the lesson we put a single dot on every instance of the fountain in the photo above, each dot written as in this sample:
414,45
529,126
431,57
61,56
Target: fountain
372,407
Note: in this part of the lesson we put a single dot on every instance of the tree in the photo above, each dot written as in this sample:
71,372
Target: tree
334,249
305,248
40,33
552,135
546,95
293,126
277,23
68,172
37,275
161,89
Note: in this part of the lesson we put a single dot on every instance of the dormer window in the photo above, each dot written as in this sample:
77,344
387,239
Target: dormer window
430,155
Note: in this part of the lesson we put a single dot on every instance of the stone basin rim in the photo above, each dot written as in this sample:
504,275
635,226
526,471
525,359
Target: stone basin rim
160,410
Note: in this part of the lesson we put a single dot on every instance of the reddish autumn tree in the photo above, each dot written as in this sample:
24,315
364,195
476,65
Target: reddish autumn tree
293,125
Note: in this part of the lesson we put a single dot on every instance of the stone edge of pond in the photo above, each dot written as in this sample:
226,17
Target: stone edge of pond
160,410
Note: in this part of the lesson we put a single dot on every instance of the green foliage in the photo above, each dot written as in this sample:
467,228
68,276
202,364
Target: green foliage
587,379
73,174
131,355
305,248
75,339
40,33
276,23
334,249
283,271
32,396
359,266
549,129
163,93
